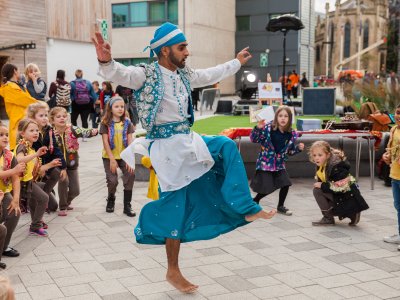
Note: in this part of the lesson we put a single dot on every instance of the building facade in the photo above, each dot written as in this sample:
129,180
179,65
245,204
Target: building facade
209,27
353,26
252,18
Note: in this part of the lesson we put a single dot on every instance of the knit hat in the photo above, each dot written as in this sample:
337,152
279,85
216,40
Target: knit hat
167,34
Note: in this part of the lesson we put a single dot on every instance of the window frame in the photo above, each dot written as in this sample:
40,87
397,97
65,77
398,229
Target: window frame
148,22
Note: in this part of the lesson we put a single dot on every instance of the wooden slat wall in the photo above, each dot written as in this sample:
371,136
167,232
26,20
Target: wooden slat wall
22,20
74,19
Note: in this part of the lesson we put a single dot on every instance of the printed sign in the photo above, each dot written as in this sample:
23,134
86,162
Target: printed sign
269,90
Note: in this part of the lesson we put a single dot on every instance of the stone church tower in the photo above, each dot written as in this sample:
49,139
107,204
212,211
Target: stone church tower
353,26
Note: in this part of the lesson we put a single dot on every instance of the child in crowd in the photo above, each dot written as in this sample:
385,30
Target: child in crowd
392,157
105,95
95,115
67,140
9,182
335,191
39,113
35,85
277,141
36,198
116,130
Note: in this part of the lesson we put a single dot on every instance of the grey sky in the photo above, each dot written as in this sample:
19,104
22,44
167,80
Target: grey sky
320,5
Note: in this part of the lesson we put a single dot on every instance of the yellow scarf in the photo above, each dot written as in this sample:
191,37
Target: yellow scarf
321,173
152,192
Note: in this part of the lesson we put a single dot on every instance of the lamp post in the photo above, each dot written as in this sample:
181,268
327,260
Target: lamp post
284,23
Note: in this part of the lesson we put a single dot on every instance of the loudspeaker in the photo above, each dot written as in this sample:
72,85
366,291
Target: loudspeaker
319,101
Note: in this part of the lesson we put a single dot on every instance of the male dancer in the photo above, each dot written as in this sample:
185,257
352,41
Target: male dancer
204,188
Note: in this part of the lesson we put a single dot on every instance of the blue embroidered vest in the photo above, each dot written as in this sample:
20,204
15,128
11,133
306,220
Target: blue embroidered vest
149,97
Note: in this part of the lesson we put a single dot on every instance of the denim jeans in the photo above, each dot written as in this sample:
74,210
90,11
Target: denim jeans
396,198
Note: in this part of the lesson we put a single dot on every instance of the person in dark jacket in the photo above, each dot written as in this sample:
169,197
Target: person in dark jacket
335,191
60,91
35,85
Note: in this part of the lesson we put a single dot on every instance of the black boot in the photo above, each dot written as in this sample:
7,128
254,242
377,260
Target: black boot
110,203
127,204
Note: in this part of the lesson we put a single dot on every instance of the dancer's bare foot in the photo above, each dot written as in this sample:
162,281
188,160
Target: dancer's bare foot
262,214
176,279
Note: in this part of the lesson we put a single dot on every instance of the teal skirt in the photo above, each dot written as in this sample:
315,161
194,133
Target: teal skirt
211,205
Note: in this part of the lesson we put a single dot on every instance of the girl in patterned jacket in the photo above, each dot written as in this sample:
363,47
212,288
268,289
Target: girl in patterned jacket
277,141
67,141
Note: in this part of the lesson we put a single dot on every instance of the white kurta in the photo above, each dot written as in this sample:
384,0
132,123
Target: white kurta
182,158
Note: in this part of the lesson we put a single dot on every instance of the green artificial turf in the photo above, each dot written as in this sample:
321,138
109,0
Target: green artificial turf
214,125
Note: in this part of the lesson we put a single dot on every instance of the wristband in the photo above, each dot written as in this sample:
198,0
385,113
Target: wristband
102,62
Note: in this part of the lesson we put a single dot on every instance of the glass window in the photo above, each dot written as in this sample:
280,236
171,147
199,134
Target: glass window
120,15
156,13
347,41
243,23
173,11
318,54
138,12
144,13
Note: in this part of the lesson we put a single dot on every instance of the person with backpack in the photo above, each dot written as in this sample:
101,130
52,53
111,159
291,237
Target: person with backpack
83,98
60,92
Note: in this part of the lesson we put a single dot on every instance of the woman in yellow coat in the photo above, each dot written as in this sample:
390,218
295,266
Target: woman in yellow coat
16,99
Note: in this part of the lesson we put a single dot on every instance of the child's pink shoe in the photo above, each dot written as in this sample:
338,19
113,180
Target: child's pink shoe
62,213
38,232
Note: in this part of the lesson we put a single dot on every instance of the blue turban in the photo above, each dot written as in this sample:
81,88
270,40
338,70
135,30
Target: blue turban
167,34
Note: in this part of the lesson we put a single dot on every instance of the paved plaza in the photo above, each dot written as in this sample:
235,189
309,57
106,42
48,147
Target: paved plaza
91,254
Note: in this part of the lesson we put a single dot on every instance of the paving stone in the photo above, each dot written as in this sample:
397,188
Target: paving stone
75,290
350,291
273,291
211,251
293,279
88,218
334,234
369,275
306,246
255,245
345,258
235,296
35,279
77,279
45,292
336,281
285,225
383,264
255,272
108,287
212,290
116,265
215,271
318,292
120,296
379,289
235,283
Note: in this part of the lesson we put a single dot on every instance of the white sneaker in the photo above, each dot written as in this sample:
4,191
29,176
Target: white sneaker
394,239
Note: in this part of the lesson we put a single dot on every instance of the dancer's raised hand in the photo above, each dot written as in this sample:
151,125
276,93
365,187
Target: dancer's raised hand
103,48
244,56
